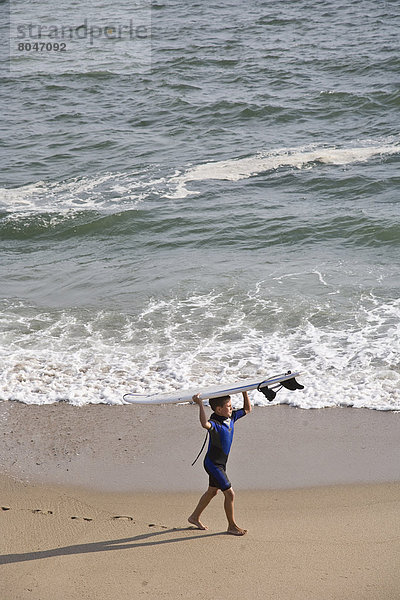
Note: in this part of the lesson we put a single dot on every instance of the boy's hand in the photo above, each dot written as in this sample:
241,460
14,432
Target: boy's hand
196,398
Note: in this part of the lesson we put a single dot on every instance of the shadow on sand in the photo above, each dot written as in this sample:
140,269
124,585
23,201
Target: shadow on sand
138,541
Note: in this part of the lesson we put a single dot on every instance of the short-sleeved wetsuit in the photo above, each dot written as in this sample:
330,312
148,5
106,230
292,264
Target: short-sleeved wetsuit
221,435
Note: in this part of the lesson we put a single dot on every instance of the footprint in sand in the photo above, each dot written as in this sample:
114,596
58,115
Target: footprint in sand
38,511
6,508
123,517
81,519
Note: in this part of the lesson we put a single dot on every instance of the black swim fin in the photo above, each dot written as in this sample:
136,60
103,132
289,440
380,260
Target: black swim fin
292,384
269,394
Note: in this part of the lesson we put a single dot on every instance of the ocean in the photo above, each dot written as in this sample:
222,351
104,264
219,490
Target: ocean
207,196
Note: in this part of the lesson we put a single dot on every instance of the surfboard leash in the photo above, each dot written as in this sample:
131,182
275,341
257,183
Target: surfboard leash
202,448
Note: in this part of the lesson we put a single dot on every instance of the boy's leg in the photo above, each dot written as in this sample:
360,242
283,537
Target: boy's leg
228,506
204,501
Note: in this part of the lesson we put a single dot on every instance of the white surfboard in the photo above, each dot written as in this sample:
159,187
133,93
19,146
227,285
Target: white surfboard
178,396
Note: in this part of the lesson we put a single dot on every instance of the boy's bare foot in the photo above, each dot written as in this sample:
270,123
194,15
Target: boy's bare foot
236,530
197,523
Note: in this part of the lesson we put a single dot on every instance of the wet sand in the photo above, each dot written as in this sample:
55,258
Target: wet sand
139,448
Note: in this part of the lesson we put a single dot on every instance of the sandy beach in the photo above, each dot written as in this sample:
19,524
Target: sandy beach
94,503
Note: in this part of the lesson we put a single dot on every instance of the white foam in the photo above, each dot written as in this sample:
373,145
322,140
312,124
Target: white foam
101,192
202,339
117,191
243,168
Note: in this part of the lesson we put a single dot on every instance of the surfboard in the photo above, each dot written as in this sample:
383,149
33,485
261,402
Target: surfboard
266,386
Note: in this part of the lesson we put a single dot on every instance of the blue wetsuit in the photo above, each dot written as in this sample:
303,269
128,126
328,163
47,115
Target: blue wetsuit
221,435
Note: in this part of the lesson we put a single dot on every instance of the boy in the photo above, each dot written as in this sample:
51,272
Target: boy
220,426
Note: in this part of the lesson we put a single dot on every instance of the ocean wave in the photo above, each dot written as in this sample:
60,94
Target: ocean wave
162,229
143,204
67,224
242,168
81,356
117,192
97,192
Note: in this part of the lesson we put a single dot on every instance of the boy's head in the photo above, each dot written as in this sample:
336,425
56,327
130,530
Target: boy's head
222,406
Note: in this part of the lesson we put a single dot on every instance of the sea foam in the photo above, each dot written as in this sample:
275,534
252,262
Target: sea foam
106,192
242,168
82,357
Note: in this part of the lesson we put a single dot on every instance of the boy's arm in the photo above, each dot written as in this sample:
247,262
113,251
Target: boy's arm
246,403
202,415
